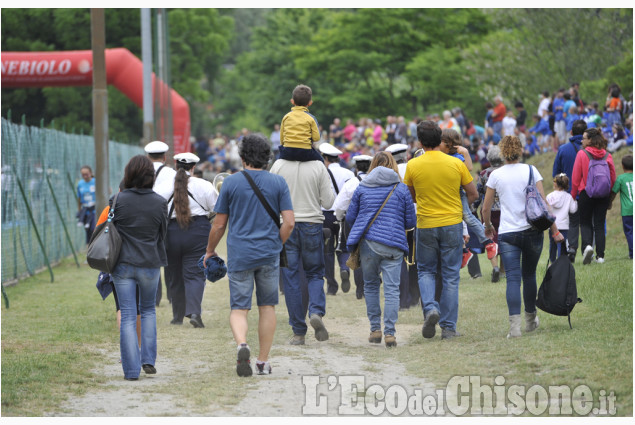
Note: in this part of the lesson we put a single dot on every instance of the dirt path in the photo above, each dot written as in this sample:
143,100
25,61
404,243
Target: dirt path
279,394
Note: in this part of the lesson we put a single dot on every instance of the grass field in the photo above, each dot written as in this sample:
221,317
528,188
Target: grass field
54,336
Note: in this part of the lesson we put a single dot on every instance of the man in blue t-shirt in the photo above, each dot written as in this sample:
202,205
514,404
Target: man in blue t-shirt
86,200
254,242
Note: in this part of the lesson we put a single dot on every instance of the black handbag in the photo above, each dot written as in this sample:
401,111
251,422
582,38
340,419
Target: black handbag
275,217
104,246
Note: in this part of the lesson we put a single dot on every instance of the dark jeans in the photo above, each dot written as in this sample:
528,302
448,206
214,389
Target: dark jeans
305,254
520,252
556,250
299,154
574,231
627,224
329,256
592,218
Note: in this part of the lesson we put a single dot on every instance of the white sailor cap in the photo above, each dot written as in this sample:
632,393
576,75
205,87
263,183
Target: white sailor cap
328,149
156,147
358,158
397,148
187,158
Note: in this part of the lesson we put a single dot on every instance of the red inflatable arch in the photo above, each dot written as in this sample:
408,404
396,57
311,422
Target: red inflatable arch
74,68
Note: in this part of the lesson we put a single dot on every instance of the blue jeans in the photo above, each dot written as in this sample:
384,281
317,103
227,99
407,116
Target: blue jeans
241,286
446,242
127,278
379,258
470,219
520,252
305,248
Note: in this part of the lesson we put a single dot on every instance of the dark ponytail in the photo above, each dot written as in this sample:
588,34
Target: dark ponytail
181,201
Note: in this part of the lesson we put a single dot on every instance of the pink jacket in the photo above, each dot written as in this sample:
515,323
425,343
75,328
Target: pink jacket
581,169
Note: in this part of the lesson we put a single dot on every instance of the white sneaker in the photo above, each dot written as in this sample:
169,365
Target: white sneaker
587,255
599,260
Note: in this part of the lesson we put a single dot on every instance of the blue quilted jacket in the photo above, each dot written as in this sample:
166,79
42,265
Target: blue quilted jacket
398,214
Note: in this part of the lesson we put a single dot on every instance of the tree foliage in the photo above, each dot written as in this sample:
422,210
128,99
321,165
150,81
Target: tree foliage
238,67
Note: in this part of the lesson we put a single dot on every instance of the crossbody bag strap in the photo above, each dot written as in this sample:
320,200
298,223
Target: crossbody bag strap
575,147
380,208
275,217
191,196
337,189
111,211
158,171
531,175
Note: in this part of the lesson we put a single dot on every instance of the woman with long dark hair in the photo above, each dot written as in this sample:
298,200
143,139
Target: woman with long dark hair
141,217
191,200
592,209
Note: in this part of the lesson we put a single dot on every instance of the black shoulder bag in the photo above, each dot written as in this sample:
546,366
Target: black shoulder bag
275,217
105,244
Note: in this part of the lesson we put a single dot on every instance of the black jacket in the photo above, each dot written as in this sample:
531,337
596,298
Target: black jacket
141,217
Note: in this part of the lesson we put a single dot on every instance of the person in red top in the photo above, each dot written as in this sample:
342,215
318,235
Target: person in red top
497,116
592,210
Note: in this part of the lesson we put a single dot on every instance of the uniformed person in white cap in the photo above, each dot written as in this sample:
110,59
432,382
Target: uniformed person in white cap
342,201
191,200
339,176
157,153
409,286
399,151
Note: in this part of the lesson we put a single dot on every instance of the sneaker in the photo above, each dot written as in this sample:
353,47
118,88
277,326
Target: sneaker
263,368
375,337
429,329
243,364
599,260
391,341
346,282
467,256
321,334
297,340
492,250
496,274
449,334
587,254
476,276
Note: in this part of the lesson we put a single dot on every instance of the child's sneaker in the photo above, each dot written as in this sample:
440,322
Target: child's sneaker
243,364
492,250
599,260
263,368
467,256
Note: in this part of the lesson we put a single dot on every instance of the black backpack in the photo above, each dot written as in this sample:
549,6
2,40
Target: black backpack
558,293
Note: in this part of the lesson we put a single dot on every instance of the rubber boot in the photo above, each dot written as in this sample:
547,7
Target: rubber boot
531,321
514,326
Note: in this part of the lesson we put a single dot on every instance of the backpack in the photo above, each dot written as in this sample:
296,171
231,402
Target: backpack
598,181
536,210
558,293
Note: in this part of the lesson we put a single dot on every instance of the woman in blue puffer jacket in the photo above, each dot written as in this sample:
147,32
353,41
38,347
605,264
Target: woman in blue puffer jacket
384,245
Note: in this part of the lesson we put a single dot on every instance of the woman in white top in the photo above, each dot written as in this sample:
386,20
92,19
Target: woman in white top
190,202
520,245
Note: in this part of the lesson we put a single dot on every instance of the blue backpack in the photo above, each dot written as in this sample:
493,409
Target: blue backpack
598,181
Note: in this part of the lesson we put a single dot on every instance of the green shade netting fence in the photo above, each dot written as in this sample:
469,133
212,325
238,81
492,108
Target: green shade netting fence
29,156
